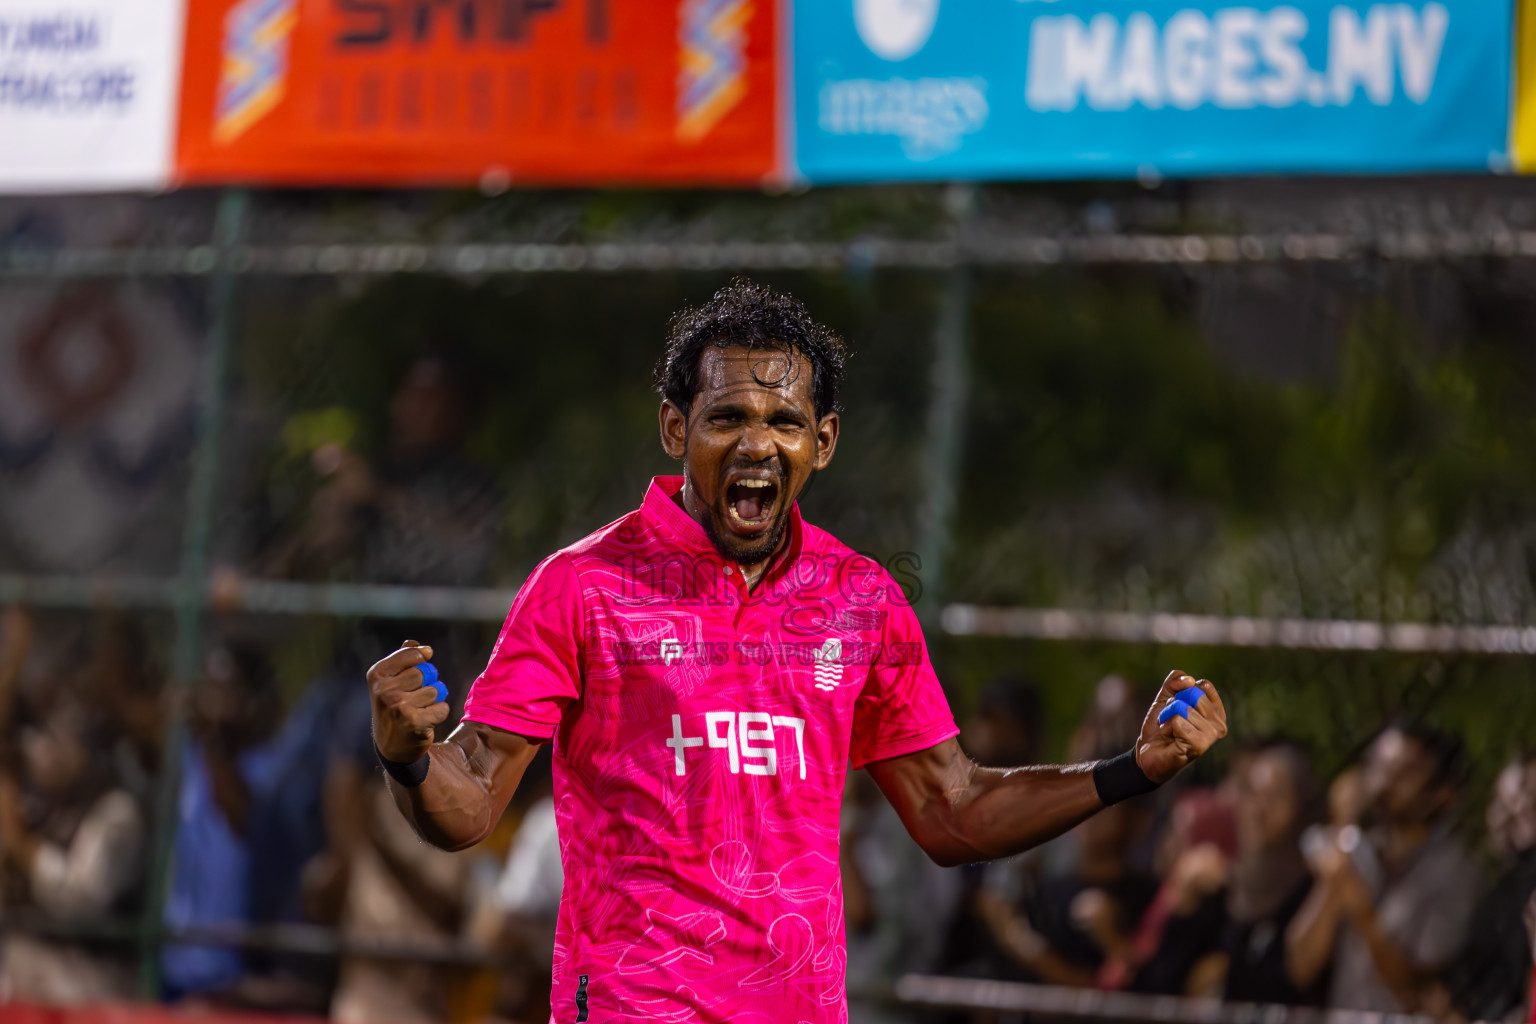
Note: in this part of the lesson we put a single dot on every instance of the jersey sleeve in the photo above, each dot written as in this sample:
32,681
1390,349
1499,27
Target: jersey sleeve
535,668
902,708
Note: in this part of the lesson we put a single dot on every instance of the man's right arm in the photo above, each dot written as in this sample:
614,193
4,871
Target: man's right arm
471,775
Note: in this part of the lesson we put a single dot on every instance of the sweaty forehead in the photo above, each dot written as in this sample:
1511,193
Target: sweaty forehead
738,373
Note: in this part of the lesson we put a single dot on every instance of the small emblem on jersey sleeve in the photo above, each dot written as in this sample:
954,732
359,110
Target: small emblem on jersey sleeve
828,671
581,999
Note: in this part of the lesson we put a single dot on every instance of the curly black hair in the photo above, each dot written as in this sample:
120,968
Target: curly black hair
748,315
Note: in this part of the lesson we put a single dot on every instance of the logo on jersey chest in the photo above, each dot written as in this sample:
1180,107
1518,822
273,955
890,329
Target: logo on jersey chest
671,649
828,666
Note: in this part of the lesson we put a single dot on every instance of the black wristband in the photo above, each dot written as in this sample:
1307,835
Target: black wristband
409,774
1120,778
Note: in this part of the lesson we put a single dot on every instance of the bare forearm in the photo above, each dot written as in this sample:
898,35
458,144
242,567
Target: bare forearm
453,807
1309,940
1004,811
960,812
469,781
1395,969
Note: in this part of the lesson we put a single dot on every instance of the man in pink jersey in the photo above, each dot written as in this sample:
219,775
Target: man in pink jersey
708,667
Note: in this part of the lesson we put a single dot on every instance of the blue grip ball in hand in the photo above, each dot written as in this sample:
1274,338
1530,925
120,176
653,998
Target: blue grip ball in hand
429,678
1182,702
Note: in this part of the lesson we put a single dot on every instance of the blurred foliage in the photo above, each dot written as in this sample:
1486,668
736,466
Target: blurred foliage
1116,462
1117,454
564,414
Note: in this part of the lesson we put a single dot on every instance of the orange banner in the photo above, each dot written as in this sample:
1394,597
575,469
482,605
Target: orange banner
496,92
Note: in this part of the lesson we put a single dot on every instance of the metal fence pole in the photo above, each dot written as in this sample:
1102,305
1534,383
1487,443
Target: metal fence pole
192,583
945,434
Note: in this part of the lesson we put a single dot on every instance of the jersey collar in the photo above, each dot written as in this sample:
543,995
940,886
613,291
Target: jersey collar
685,531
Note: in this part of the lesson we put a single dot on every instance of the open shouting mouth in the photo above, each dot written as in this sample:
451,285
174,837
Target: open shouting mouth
751,500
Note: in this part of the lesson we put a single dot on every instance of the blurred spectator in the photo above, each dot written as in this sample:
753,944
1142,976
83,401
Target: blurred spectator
17,630
904,914
70,835
1386,940
526,899
516,918
898,904
1003,730
1491,978
1275,796
424,514
377,881
120,676
226,767
1530,930
419,513
1054,931
331,721
330,725
1185,916
1112,722
1346,807
1109,726
1047,913
1346,799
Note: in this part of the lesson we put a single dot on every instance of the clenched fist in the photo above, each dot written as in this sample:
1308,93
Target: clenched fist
1164,748
404,711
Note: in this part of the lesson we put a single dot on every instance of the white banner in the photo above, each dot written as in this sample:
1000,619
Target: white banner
88,94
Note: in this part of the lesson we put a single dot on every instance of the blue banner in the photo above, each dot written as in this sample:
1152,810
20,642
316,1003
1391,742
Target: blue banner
904,89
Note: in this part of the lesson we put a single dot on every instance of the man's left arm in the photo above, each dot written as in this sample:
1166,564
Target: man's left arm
960,812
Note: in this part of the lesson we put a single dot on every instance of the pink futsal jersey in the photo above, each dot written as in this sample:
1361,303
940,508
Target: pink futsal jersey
701,737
